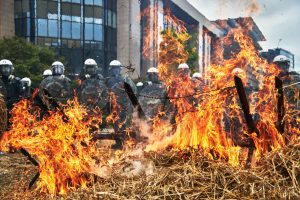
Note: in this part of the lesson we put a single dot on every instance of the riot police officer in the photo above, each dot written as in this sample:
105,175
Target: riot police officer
115,83
92,90
2,90
198,81
57,86
282,63
184,70
153,97
12,84
139,87
26,87
47,73
288,78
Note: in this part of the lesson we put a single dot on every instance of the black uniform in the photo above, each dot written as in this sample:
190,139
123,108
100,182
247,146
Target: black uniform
13,88
3,92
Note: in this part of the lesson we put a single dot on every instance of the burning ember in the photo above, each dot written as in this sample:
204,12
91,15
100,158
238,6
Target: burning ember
206,117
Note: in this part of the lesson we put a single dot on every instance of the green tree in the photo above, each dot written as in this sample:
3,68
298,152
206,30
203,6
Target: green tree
29,60
179,47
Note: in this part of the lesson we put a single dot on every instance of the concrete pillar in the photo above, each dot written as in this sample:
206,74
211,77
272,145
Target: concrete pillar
129,35
7,22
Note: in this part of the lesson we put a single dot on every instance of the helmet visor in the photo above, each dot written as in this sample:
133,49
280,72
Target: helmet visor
184,72
284,65
115,71
91,69
153,77
6,70
57,70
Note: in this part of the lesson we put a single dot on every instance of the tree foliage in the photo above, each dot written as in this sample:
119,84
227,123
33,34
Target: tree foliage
29,60
172,51
177,48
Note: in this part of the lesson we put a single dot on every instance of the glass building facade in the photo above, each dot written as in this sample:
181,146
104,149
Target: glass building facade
76,29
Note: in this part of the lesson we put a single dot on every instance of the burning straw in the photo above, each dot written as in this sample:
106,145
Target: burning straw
190,175
68,158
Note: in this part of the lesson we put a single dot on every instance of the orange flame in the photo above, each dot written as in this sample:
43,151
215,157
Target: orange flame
63,149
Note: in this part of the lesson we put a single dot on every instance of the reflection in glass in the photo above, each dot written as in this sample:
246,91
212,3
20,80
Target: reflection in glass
42,9
66,17
89,11
66,8
76,30
89,31
76,19
66,29
52,7
89,2
98,32
98,2
76,10
42,27
98,12
98,21
53,28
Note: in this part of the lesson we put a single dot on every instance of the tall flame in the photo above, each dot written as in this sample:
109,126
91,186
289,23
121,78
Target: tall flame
218,104
62,148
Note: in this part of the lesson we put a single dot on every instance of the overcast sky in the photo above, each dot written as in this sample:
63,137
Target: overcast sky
277,19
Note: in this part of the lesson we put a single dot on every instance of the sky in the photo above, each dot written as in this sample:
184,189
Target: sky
277,19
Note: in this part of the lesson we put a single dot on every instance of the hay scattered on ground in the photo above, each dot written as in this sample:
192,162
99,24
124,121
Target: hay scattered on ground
185,175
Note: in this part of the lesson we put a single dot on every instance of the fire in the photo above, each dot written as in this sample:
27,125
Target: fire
62,148
201,118
207,118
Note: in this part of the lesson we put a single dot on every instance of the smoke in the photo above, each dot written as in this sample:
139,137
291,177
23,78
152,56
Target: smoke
250,7
222,9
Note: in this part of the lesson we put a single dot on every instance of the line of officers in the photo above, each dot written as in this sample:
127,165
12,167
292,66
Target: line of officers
92,89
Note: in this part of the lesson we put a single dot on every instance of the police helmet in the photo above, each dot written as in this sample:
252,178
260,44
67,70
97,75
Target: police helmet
197,75
47,72
183,66
152,70
6,67
281,59
57,68
26,81
90,66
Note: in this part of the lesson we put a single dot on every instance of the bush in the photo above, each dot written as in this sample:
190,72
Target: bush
29,60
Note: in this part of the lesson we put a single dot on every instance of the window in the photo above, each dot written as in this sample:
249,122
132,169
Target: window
89,2
18,7
42,27
98,32
89,11
109,18
88,32
76,10
52,7
114,21
42,9
98,12
53,28
25,6
66,29
98,2
98,21
66,9
76,33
